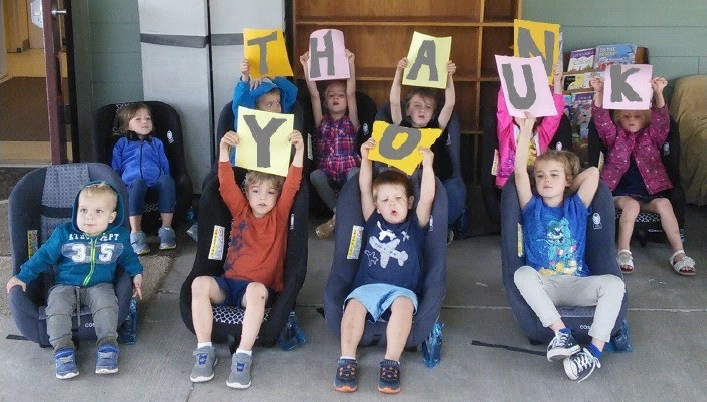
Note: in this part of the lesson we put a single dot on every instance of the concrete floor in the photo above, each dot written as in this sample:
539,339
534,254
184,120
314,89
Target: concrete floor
667,316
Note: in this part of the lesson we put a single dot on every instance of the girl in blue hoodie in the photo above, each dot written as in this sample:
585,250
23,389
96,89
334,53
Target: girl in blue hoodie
140,160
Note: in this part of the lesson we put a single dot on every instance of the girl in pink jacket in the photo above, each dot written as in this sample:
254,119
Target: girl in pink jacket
635,173
507,129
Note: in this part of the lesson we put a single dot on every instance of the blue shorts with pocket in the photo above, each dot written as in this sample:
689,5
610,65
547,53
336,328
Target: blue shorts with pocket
378,297
235,290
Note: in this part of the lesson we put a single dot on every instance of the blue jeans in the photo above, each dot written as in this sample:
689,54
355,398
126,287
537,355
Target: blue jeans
328,188
456,198
164,188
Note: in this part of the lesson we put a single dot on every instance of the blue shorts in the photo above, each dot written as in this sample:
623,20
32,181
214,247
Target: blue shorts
234,289
377,298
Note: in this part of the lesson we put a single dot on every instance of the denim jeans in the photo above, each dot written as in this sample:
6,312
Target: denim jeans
164,188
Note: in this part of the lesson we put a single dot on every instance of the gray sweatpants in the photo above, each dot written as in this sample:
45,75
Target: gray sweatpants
326,187
61,304
543,293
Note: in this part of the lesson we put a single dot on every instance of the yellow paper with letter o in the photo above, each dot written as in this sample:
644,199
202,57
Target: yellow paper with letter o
264,141
399,146
266,52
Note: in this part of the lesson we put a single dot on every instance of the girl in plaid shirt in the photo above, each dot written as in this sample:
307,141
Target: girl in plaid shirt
337,127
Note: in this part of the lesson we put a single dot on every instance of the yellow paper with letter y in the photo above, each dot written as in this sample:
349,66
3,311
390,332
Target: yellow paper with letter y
264,141
399,146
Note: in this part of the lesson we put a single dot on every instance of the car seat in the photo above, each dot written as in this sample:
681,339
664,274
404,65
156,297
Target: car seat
600,257
42,200
648,226
168,128
349,220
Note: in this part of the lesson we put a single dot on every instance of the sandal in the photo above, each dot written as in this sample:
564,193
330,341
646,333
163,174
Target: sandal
625,260
686,266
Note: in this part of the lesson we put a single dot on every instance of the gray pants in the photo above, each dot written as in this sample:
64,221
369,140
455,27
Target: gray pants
328,188
543,293
61,304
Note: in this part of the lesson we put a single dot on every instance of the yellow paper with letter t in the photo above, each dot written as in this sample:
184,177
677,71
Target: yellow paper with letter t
263,141
266,53
399,146
427,61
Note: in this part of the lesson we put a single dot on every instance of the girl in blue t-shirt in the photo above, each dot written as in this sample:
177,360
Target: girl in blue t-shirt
554,230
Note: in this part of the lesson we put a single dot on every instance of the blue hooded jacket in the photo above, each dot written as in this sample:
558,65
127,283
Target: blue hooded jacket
140,159
83,260
243,96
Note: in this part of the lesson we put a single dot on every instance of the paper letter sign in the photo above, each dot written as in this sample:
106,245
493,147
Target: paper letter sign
427,61
525,87
266,52
532,39
327,55
628,86
398,146
264,143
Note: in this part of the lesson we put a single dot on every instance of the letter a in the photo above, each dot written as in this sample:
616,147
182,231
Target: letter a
425,55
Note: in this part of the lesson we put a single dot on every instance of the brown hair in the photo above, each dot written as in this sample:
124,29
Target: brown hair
393,178
616,115
101,189
423,92
127,112
254,177
569,161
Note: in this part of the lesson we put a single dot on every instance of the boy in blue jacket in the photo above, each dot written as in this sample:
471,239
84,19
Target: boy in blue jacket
85,253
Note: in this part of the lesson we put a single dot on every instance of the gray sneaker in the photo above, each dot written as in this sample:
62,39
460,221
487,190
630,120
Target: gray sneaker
167,238
139,243
240,371
203,369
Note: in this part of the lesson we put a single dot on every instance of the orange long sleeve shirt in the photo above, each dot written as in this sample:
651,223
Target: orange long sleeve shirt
256,249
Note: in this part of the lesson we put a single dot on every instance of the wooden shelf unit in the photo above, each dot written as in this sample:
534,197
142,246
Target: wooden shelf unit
379,32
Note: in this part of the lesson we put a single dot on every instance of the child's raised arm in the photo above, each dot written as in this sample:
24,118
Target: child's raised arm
313,91
427,188
606,129
351,91
230,192
395,113
521,162
586,184
365,180
296,140
449,98
658,84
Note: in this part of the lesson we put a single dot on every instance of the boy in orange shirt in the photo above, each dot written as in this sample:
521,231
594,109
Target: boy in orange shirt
253,271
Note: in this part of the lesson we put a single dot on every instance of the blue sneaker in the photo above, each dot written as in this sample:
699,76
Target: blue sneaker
65,364
167,238
138,241
107,360
345,380
389,380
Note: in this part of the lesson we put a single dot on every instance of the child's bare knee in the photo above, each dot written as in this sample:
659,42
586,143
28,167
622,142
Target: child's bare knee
631,207
256,291
354,306
200,286
402,304
663,205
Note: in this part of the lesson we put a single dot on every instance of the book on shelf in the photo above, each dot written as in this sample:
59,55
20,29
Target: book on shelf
582,59
577,81
580,114
621,53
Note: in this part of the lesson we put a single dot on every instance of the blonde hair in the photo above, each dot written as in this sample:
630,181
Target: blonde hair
568,160
253,177
101,189
127,112
616,115
393,178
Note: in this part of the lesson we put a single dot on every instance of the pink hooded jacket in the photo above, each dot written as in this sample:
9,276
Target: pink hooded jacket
546,129
643,145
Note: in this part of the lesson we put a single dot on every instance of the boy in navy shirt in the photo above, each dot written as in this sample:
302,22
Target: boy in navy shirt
390,271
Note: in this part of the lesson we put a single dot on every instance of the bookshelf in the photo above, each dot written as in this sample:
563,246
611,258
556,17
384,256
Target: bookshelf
379,34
